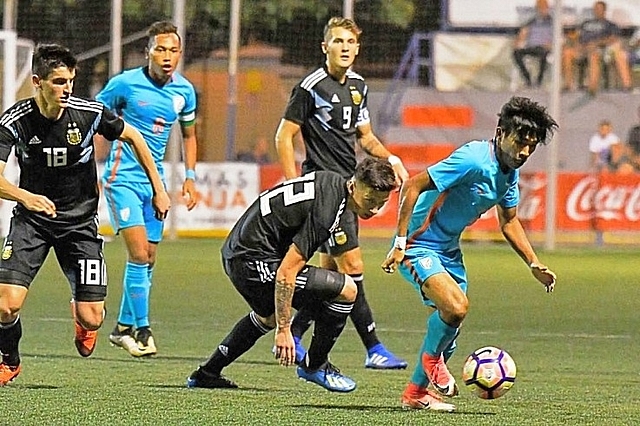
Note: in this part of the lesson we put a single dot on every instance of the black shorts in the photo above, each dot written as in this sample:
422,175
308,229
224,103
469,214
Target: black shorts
255,281
345,237
78,249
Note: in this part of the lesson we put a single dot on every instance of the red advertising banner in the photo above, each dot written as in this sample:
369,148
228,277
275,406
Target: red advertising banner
605,202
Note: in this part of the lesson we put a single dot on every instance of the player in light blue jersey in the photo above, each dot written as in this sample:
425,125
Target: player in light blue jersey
436,206
152,99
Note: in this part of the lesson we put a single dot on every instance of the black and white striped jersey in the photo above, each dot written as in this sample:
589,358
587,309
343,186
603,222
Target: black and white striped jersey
329,114
57,158
301,211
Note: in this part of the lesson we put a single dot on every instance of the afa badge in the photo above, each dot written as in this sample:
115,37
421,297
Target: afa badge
356,96
7,251
73,134
340,237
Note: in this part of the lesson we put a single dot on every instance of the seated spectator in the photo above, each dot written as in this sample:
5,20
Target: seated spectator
534,39
634,47
632,149
605,148
595,40
259,155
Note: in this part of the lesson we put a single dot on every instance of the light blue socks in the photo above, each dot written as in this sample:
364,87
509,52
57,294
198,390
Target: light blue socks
134,308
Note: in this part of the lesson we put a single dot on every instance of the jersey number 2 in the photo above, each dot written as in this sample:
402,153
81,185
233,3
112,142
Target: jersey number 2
289,197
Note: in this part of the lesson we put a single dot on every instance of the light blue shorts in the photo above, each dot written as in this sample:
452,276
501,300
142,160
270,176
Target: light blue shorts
420,264
131,205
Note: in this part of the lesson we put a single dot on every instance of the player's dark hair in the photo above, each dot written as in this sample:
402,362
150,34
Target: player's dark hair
161,27
376,173
48,57
340,22
524,116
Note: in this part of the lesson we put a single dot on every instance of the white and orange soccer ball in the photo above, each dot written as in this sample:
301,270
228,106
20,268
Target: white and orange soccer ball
489,372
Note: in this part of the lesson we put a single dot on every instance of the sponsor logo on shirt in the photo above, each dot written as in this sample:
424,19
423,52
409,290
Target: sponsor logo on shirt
335,99
35,140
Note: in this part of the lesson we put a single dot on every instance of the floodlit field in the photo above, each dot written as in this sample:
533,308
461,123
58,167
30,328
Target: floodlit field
576,350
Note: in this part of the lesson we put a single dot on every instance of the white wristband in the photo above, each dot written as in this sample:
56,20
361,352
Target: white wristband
400,243
393,160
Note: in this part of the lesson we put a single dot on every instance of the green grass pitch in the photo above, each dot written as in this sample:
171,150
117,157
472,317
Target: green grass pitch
576,349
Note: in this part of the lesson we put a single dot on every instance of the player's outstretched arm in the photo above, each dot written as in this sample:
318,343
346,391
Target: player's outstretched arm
287,130
161,200
516,237
31,201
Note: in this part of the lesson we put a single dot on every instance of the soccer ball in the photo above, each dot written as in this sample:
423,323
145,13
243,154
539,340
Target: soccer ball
489,372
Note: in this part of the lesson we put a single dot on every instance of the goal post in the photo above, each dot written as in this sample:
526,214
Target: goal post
15,54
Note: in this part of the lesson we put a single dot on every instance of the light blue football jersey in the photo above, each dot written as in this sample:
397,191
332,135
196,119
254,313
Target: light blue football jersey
150,108
469,182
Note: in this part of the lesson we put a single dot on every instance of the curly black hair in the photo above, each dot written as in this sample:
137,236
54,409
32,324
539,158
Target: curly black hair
524,116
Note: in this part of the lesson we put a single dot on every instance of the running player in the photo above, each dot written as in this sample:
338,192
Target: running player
57,198
152,99
329,107
435,207
266,255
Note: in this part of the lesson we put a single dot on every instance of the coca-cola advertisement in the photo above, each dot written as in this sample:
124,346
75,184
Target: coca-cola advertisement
604,202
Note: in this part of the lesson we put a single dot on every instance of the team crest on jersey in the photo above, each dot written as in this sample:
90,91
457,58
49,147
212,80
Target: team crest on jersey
356,96
340,237
73,134
7,251
178,104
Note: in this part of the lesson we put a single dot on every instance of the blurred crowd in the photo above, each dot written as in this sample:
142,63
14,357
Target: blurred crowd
596,55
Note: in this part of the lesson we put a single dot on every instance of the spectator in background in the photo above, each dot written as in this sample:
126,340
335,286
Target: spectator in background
634,47
595,40
632,149
605,148
259,154
534,39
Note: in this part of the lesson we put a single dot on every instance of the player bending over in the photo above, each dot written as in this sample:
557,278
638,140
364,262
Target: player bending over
266,255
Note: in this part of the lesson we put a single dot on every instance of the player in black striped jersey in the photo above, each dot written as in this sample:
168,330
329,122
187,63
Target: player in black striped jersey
266,255
57,198
329,108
